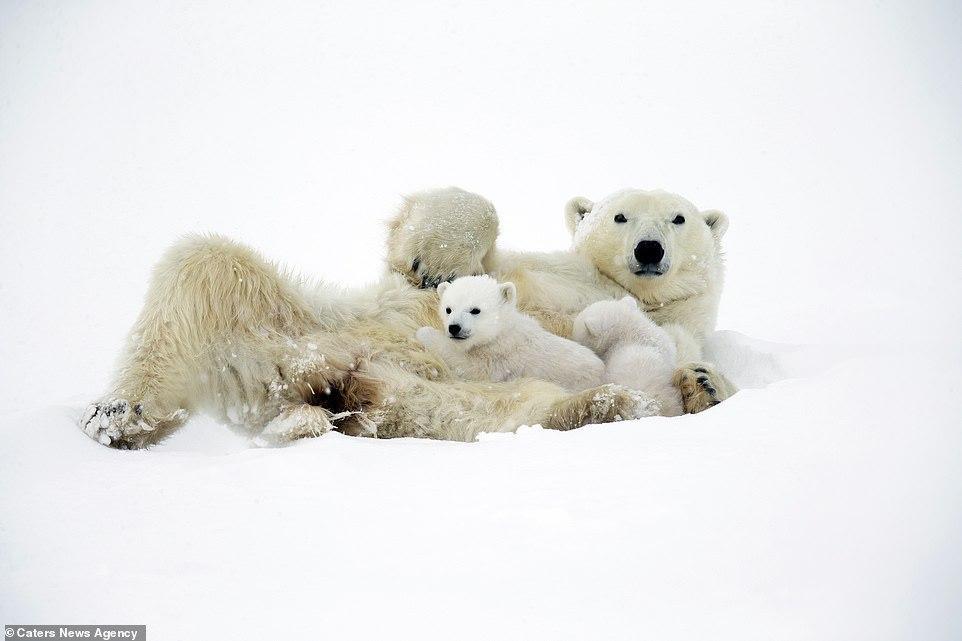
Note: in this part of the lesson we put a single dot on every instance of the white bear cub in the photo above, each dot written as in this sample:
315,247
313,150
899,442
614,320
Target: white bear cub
486,338
638,354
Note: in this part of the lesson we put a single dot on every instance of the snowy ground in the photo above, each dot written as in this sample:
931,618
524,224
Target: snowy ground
790,512
824,501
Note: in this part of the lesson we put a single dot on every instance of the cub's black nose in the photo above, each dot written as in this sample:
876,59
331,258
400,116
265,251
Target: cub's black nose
649,252
454,329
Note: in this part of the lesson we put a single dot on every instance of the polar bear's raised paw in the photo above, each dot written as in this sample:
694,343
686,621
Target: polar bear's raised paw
701,387
426,277
432,266
440,235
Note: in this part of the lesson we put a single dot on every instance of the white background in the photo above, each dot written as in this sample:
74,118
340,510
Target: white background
829,132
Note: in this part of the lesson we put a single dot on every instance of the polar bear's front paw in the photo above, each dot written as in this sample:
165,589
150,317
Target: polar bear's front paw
605,404
295,422
701,387
307,421
119,423
611,403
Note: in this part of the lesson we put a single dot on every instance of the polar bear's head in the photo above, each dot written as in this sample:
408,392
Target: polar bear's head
655,244
473,309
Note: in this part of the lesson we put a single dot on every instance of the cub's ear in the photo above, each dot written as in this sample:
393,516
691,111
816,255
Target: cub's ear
441,287
509,293
717,222
575,210
629,301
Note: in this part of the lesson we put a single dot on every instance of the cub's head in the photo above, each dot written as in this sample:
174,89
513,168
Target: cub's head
601,325
472,309
653,243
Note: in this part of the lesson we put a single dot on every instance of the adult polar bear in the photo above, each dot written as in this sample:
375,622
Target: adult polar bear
653,245
224,331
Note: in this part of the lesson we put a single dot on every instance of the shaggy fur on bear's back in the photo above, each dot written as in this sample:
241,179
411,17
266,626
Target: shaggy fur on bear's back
225,332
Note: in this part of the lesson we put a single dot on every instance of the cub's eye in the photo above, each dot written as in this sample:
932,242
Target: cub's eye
475,311
678,219
447,311
620,218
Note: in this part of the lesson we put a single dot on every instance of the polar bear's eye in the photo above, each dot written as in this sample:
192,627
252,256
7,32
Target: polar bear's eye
620,218
447,310
475,311
678,219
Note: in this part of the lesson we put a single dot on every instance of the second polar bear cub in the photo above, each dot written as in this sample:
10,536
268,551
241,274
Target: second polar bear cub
637,353
485,337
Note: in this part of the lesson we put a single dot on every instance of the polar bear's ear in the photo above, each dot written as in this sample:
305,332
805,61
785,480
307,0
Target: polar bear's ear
441,287
509,293
630,302
575,211
717,222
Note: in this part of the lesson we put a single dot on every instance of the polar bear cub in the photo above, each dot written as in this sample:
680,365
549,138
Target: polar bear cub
485,337
638,354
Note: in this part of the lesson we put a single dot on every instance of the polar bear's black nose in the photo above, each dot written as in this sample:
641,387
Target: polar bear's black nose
649,252
454,329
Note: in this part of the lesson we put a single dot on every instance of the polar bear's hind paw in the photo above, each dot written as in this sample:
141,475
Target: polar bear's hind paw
119,423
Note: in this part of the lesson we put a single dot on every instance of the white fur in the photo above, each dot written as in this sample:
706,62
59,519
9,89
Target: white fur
491,340
637,353
223,330
601,264
688,291
681,294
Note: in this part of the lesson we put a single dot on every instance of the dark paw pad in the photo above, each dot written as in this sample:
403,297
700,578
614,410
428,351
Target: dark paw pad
432,282
706,385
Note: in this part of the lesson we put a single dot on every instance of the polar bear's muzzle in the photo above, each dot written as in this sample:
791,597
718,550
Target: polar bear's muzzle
457,332
649,258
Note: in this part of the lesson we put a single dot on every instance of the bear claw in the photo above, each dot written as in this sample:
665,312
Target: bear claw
701,387
118,423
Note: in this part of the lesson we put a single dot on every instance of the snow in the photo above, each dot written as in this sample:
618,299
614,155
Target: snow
823,501
789,512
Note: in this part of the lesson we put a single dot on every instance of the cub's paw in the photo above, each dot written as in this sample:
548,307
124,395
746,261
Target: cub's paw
426,335
701,386
119,423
